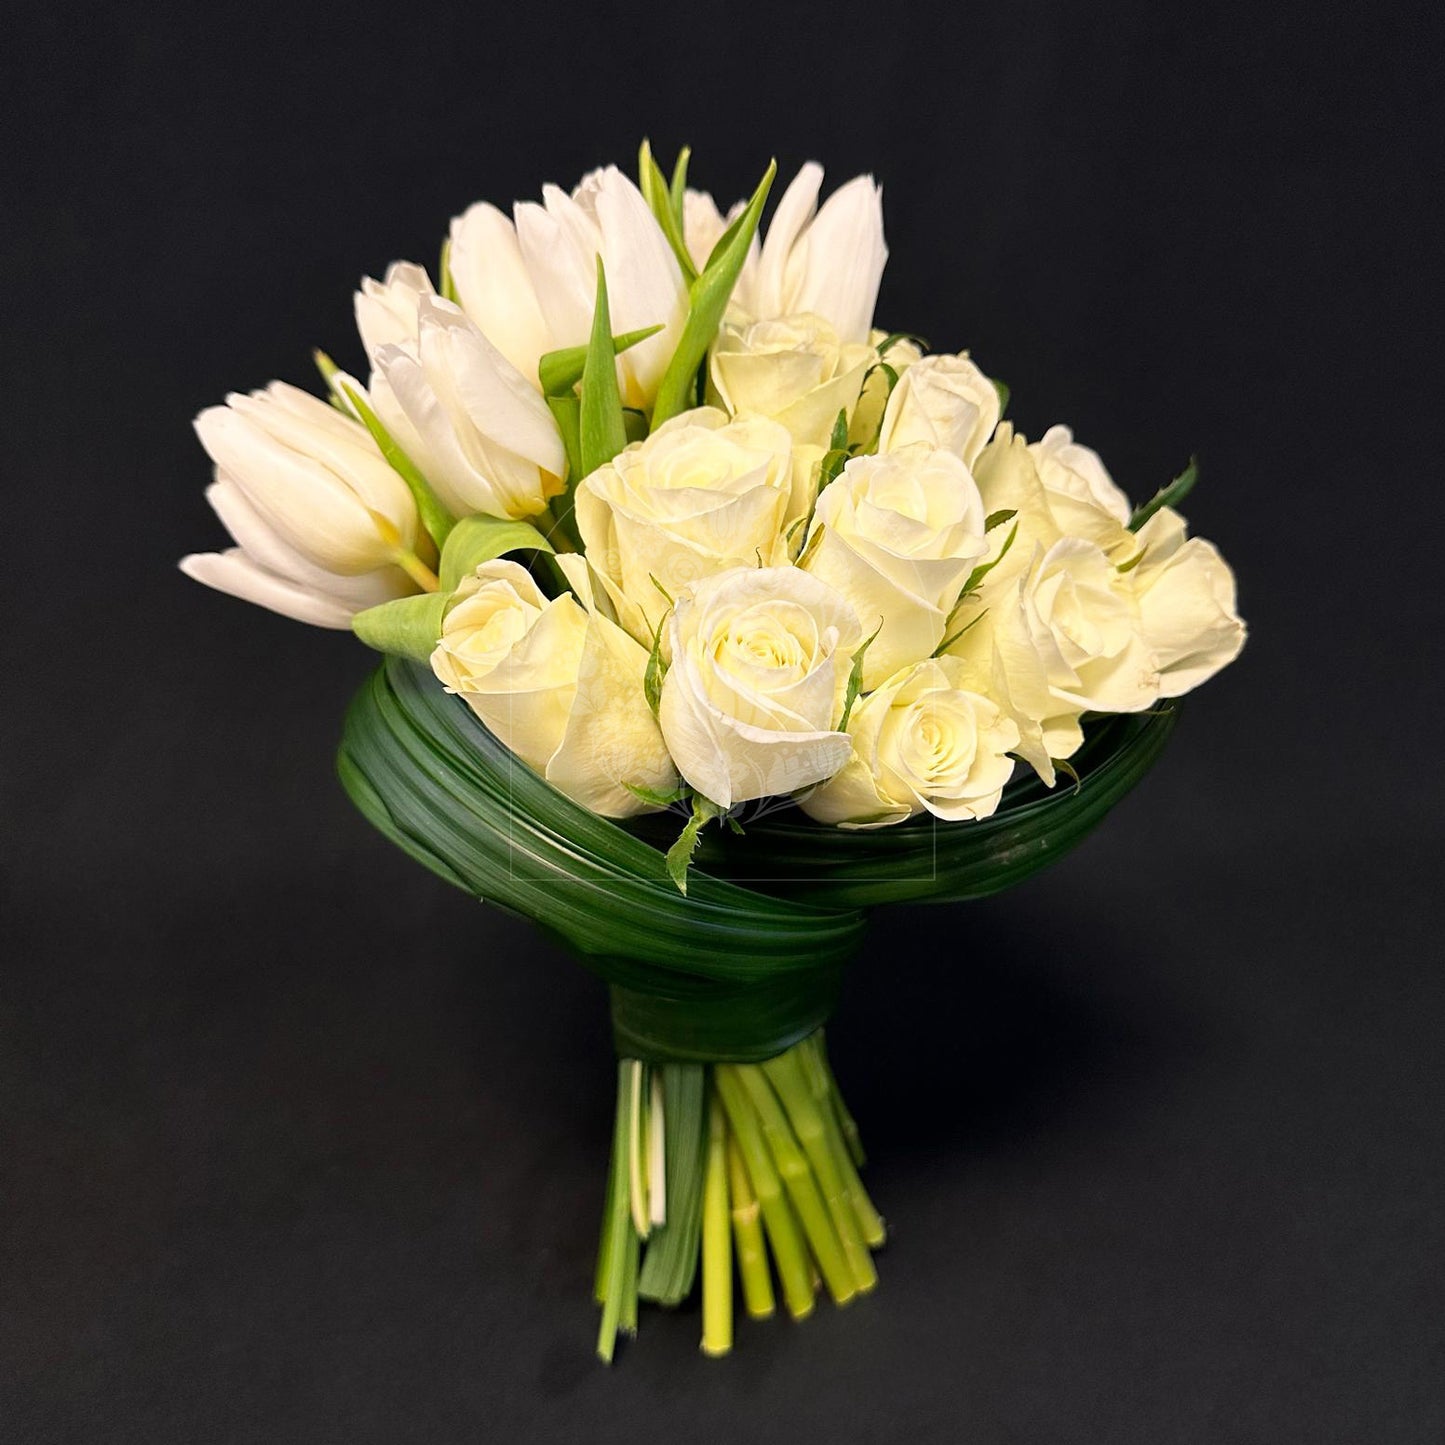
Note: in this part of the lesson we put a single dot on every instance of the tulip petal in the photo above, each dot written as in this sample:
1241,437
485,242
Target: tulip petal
237,575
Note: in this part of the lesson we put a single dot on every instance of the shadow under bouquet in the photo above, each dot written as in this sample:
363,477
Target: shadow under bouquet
713,617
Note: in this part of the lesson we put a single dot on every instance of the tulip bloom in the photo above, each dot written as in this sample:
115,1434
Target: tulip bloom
323,525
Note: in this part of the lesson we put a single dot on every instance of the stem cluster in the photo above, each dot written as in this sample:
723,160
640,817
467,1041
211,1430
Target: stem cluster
749,1169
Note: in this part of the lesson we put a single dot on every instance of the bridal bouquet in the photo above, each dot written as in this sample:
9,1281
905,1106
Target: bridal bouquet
713,617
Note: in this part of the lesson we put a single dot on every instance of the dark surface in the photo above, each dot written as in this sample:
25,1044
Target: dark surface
302,1146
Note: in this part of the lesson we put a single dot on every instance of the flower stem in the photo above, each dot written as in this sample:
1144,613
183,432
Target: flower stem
717,1275
788,1079
618,1229
417,570
802,1188
748,1238
788,1250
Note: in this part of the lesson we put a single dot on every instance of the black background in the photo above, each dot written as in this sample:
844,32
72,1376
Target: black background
303,1146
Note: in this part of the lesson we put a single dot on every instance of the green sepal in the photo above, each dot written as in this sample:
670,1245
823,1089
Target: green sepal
855,680
1069,771
1124,568
656,796
838,441
408,627
559,371
949,641
894,337
479,539
1169,496
1003,394
434,517
707,303
603,431
655,672
655,192
997,519
984,568
679,856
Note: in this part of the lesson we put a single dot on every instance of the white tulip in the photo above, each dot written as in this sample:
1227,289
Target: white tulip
478,431
556,683
945,402
1185,594
826,260
386,311
495,288
760,665
321,520
560,241
793,370
701,495
898,535
922,741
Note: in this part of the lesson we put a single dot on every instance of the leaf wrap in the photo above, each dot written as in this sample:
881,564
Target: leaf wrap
748,961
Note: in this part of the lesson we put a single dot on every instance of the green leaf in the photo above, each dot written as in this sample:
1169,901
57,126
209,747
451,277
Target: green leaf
434,517
679,856
447,283
408,627
634,422
479,539
678,190
559,371
983,569
708,298
1003,394
1169,496
670,1264
997,519
567,413
855,680
838,441
656,796
603,431
659,199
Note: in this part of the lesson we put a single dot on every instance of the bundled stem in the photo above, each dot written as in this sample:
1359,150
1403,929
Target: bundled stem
732,1162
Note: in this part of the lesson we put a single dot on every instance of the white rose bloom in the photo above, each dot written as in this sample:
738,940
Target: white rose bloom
476,428
898,535
701,495
558,685
386,311
868,415
945,402
495,288
318,515
1185,594
922,741
760,665
560,241
793,370
1081,493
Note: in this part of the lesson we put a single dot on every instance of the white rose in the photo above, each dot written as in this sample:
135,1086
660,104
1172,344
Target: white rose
1081,493
701,495
945,402
793,370
921,742
477,429
1185,594
760,665
897,535
559,686
319,517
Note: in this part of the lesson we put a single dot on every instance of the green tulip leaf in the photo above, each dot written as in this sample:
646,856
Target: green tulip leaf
479,539
408,627
603,432
560,371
